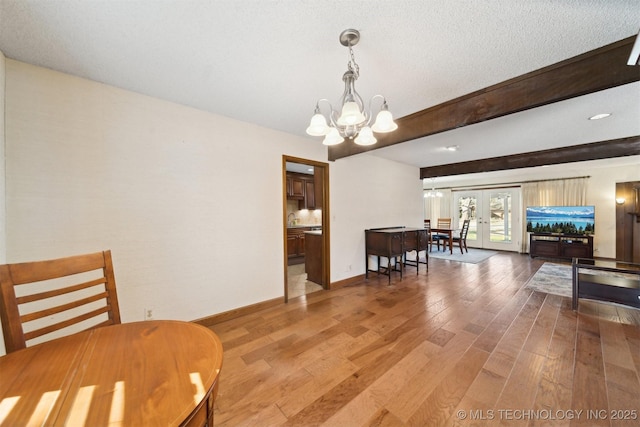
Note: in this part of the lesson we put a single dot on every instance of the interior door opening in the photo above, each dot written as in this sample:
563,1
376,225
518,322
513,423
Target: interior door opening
306,225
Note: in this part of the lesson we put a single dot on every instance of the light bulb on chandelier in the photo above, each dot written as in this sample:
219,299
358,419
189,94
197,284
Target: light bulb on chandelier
433,192
353,120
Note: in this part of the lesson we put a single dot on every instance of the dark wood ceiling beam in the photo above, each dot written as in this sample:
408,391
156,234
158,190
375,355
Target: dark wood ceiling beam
593,71
575,153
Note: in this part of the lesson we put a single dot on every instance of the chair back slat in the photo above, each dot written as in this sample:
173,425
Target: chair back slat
444,222
37,271
58,296
69,322
465,229
30,317
56,292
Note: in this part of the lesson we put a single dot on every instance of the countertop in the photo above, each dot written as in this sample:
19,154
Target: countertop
314,232
304,226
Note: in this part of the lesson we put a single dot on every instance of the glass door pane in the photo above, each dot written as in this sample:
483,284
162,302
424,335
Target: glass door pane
500,217
467,207
503,219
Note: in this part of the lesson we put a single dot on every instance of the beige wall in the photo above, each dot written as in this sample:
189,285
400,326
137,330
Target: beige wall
189,202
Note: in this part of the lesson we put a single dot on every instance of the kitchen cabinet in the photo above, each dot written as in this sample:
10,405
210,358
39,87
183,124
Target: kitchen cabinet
304,188
295,186
309,201
295,241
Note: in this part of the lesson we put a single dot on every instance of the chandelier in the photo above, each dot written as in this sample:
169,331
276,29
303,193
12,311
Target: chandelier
353,120
433,192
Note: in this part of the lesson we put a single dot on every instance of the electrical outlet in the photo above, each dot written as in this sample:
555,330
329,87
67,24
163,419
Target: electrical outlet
148,314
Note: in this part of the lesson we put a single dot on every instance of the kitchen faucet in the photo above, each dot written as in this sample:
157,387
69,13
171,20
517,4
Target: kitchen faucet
289,221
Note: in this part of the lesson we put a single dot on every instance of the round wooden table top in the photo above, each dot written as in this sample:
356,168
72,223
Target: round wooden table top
133,374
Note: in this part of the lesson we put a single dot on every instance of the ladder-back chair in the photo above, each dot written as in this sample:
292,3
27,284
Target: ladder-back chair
64,296
461,240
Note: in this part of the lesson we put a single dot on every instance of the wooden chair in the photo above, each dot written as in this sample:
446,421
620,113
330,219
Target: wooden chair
444,222
427,226
437,237
66,295
461,240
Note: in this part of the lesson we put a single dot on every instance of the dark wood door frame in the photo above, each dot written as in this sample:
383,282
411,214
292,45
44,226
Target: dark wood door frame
326,265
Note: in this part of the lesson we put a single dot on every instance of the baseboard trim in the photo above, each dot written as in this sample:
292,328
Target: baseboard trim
237,312
346,282
254,308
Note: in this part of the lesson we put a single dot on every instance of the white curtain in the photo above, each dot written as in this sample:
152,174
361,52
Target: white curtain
529,198
557,192
575,192
551,193
438,207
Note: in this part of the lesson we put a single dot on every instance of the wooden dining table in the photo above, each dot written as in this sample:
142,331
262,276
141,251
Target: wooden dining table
448,231
160,373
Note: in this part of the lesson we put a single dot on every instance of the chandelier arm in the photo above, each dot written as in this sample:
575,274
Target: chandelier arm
319,111
332,115
384,101
325,100
369,111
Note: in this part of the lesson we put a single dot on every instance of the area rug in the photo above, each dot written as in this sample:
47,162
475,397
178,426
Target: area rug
474,256
552,278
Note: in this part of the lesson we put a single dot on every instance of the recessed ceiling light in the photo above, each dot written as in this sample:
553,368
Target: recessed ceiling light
600,116
452,148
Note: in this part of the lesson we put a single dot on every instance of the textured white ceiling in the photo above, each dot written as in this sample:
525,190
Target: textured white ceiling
268,61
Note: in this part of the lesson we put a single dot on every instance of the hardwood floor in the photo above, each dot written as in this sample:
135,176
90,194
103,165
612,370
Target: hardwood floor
462,345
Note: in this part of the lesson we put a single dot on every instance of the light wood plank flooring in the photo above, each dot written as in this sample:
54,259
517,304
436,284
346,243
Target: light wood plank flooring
462,345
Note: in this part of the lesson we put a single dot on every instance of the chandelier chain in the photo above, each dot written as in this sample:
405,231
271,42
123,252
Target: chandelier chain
352,60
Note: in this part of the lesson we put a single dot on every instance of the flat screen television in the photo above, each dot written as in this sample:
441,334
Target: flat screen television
561,219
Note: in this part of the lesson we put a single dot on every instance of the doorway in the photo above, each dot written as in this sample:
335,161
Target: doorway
305,186
494,217
628,221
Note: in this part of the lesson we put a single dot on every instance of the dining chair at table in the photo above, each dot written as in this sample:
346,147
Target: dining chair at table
437,237
64,295
461,239
427,226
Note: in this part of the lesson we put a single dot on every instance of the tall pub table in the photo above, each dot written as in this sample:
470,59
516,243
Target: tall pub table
393,243
132,374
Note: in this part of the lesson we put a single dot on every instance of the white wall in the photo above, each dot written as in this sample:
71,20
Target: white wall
190,203
369,192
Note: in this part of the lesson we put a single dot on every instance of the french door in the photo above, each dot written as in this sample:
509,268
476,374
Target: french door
494,216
